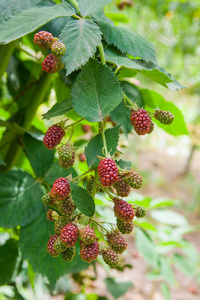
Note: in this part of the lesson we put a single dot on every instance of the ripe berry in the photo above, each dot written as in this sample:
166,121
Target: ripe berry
89,252
151,128
164,117
140,121
59,246
47,200
53,136
66,207
124,227
69,234
140,212
108,172
50,245
122,187
135,180
116,242
110,257
123,210
68,254
59,224
66,156
43,39
60,189
52,64
58,48
87,235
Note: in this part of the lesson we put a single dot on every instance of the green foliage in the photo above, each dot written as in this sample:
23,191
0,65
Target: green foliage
88,7
8,259
168,217
117,287
59,109
55,171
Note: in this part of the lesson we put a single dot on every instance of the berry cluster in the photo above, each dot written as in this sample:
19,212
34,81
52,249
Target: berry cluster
108,172
53,136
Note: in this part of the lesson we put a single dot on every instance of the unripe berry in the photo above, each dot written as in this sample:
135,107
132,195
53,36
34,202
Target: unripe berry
89,252
110,257
123,210
60,189
90,184
140,211
69,234
47,199
66,207
87,235
124,227
108,172
52,64
151,128
164,117
140,120
43,39
116,242
50,245
68,254
135,180
59,224
66,156
122,187
59,246
53,136
58,48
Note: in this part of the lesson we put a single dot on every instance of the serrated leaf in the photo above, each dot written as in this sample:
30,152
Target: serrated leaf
88,7
82,199
95,146
59,109
81,37
117,287
29,20
36,253
56,171
20,198
128,42
39,156
153,100
96,92
123,164
8,258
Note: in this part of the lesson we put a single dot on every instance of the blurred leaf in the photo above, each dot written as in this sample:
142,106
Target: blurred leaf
167,270
82,199
39,156
62,90
2,162
123,164
20,198
165,291
56,171
71,296
8,258
117,287
117,17
160,202
144,224
184,265
88,7
59,109
169,217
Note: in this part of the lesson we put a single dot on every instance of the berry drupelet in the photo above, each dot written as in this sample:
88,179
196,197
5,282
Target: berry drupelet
53,136
110,257
140,120
43,39
116,242
52,64
87,235
50,245
108,172
89,252
60,189
124,227
123,210
69,234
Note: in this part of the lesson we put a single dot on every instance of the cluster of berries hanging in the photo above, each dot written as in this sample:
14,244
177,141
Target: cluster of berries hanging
45,40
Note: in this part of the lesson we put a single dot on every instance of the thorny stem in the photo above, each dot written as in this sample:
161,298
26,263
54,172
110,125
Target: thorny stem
104,141
102,54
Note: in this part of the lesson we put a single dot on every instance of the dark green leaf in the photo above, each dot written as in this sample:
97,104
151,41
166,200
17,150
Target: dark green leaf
95,146
88,7
62,89
56,26
81,37
20,198
82,199
117,287
56,171
123,164
8,258
59,109
128,42
96,92
33,244
39,156
15,28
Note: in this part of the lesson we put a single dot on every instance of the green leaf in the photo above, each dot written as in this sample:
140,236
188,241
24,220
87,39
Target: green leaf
123,164
168,217
166,270
29,20
88,7
72,296
33,244
81,37
161,202
59,109
2,163
95,146
146,247
128,42
165,291
82,199
20,198
144,224
56,171
153,100
40,158
8,258
96,92
117,287
184,265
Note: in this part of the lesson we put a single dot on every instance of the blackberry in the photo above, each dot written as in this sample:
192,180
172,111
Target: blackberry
108,172
53,136
140,212
59,224
135,180
47,200
164,117
60,189
69,234
66,207
110,257
43,39
68,254
116,242
140,120
50,245
52,64
58,48
124,227
151,128
87,235
59,246
123,210
89,252
66,156
122,187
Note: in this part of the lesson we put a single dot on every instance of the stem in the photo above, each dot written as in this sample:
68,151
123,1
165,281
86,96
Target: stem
75,4
116,71
102,54
99,225
104,141
72,124
128,100
5,54
95,183
78,177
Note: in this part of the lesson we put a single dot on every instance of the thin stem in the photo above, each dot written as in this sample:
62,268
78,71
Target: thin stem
102,54
76,17
75,4
79,176
97,223
117,70
72,124
104,141
128,100
71,134
95,183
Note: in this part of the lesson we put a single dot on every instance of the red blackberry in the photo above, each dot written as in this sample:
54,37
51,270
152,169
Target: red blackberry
110,257
43,39
123,210
140,120
66,207
50,245
69,234
68,254
122,187
164,117
52,64
140,212
66,156
108,172
58,48
87,235
151,128
53,136
124,227
60,189
59,224
116,242
89,252
47,200
135,180
59,245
